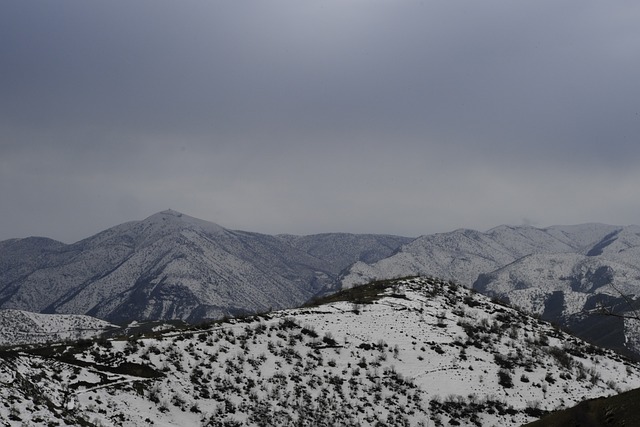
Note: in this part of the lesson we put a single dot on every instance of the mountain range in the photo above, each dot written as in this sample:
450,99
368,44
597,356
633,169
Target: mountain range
411,352
172,266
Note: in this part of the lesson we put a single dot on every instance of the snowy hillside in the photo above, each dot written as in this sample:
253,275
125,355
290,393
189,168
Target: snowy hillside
411,352
566,274
172,266
462,255
582,281
574,290
22,327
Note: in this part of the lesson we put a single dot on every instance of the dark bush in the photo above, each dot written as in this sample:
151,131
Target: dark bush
504,378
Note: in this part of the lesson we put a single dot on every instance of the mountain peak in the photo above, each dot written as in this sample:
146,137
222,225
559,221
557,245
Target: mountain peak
171,212
172,220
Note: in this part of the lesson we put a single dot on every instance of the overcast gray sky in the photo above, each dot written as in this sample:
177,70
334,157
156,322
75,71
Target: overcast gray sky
307,116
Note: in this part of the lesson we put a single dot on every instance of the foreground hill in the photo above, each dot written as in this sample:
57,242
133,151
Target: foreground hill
408,352
23,327
566,274
172,266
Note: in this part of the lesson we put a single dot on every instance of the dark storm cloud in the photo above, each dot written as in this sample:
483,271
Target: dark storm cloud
293,116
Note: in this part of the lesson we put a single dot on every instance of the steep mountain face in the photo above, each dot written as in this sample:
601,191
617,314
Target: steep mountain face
563,273
411,352
168,266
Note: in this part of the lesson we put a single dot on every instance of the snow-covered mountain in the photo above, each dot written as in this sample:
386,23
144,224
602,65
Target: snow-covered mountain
172,266
563,273
463,254
341,250
412,352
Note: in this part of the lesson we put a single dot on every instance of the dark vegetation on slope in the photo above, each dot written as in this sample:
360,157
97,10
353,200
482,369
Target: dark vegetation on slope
226,373
618,410
363,294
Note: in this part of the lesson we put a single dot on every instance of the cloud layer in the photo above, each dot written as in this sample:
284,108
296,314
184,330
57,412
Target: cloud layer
405,117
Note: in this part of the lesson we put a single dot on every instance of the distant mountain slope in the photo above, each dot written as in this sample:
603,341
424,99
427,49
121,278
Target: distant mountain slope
341,250
20,257
562,273
411,352
462,255
169,266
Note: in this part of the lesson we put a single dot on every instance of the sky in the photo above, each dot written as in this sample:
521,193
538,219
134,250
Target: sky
296,116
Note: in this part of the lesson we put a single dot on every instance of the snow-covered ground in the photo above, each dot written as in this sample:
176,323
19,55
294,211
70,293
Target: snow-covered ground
23,327
560,272
424,353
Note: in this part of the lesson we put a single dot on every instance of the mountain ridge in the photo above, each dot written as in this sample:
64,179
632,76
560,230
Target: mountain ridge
171,266
567,274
